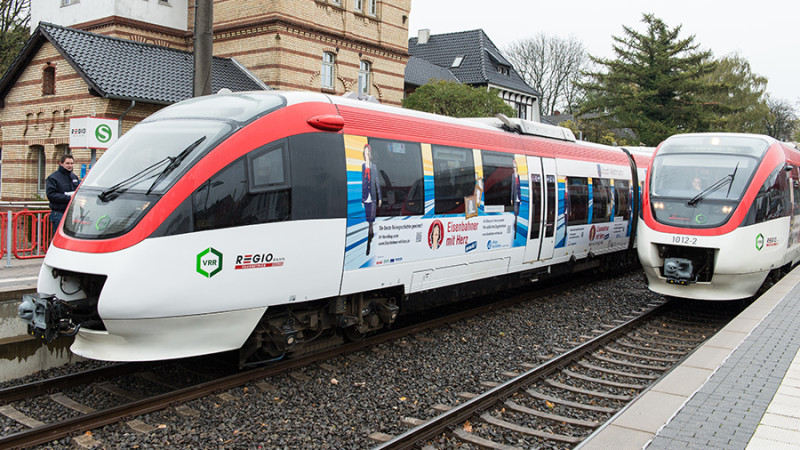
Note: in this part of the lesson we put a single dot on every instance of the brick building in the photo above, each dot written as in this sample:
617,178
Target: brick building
331,46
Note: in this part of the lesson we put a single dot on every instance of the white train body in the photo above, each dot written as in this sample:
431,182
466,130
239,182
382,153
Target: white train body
721,211
202,260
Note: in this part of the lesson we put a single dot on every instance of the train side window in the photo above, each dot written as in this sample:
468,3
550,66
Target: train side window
267,169
550,217
772,200
400,167
225,201
577,201
498,179
453,178
602,200
622,199
536,205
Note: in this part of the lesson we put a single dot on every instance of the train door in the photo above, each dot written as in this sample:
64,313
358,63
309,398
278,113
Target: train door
541,240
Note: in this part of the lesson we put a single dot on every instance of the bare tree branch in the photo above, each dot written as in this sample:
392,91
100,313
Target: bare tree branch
551,65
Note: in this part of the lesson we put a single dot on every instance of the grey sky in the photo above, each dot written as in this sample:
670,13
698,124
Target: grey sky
766,33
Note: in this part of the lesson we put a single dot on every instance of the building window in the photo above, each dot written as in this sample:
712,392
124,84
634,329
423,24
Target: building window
41,167
503,70
49,80
522,111
457,62
359,5
69,2
373,7
328,66
363,77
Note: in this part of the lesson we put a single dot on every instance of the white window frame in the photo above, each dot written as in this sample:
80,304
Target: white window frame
328,72
372,7
364,70
41,170
358,5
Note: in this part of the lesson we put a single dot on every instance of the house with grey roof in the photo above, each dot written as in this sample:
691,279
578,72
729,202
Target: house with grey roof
63,73
473,59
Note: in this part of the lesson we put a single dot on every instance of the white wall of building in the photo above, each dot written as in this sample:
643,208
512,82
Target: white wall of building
167,13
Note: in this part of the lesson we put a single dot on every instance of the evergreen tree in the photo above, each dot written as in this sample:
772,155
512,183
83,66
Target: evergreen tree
656,86
745,95
454,99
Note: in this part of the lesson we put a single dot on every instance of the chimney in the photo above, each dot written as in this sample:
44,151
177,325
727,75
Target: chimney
423,36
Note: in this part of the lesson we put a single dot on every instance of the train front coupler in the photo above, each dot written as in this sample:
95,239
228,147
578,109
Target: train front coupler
48,317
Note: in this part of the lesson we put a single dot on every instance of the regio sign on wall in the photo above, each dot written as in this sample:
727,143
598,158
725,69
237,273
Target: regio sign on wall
92,132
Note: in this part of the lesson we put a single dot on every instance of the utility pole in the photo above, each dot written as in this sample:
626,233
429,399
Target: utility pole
203,46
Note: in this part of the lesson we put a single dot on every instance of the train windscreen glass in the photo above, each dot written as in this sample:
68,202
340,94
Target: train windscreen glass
135,171
697,181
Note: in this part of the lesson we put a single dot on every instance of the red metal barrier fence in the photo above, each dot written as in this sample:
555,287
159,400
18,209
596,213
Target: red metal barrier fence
3,231
32,233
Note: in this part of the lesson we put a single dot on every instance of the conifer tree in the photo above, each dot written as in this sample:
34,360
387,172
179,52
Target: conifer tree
656,86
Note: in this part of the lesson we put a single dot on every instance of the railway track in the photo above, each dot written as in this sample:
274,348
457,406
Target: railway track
123,404
560,402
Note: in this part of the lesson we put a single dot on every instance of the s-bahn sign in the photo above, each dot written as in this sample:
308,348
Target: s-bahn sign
92,132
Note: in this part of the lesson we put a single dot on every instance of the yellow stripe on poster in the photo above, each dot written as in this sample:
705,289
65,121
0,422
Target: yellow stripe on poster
476,155
354,151
427,160
522,165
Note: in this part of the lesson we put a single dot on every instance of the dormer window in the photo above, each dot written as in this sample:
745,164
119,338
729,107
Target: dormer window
49,80
457,62
503,70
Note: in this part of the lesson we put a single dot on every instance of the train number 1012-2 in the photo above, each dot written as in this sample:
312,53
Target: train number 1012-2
685,240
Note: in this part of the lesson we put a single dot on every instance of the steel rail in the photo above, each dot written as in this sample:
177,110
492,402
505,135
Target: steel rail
458,414
81,424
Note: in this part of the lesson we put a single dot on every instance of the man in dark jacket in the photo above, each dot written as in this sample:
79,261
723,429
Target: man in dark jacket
60,186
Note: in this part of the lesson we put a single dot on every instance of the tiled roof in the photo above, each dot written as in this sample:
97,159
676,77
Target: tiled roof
481,59
122,69
419,72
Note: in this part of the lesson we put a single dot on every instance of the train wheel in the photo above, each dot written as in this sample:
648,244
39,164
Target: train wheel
352,334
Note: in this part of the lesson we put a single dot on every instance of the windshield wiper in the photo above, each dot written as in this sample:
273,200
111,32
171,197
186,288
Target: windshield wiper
114,191
174,162
715,187
149,172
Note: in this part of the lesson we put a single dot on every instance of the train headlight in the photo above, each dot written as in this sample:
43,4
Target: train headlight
658,205
727,209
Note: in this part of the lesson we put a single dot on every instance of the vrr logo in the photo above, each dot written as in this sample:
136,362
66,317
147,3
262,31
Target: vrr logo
209,262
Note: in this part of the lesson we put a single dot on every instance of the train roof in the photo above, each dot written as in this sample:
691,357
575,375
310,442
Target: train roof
498,133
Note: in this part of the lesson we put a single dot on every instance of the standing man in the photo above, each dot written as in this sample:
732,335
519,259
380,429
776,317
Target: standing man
60,186
370,192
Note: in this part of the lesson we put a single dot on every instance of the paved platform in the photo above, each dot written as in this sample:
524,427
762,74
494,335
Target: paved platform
21,274
740,390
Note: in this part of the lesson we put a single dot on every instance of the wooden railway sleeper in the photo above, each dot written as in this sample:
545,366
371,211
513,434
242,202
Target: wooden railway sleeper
646,340
637,356
620,373
620,362
490,419
549,398
554,417
581,377
626,344
566,387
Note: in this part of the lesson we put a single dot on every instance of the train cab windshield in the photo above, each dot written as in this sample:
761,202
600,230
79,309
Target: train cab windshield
697,181
139,168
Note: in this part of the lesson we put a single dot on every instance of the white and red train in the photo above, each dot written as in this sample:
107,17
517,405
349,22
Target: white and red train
721,212
263,221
